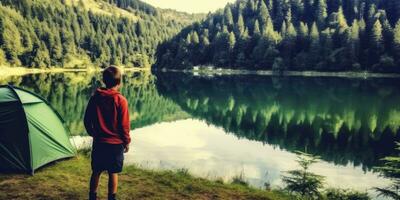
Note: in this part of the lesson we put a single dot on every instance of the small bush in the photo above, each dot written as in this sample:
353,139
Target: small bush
219,180
302,181
342,194
183,172
240,180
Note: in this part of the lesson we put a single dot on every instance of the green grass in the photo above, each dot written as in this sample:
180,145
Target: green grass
69,180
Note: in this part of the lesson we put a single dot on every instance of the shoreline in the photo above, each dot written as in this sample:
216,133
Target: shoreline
19,71
222,72
69,178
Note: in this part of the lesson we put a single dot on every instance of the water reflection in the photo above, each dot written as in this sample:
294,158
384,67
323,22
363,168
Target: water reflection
69,93
231,124
208,151
343,120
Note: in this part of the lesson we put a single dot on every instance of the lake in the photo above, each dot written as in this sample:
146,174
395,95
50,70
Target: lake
224,126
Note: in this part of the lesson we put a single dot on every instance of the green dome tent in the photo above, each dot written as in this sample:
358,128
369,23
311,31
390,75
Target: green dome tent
32,134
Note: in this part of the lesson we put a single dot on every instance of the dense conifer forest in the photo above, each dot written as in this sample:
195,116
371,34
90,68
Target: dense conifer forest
322,35
79,33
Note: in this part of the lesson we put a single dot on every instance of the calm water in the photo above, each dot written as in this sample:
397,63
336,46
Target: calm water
227,125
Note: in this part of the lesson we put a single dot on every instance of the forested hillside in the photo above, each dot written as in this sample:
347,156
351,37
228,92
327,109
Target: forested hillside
80,33
323,35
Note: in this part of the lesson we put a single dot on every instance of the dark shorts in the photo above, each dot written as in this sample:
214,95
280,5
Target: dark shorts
107,157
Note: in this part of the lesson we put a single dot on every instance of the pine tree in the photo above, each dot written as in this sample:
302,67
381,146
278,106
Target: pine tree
376,44
302,37
228,18
376,34
264,16
232,43
314,54
390,170
259,51
342,22
56,50
256,29
302,181
41,57
321,13
325,50
240,25
11,39
387,33
396,41
303,34
279,15
195,38
355,45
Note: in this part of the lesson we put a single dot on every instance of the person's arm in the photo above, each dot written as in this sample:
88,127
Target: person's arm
89,117
125,123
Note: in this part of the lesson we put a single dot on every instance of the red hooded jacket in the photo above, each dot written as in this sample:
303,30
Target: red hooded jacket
107,117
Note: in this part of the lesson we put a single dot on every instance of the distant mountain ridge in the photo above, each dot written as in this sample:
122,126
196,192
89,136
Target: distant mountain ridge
78,34
321,35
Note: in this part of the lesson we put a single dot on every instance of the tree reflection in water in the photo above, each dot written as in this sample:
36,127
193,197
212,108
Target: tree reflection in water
340,119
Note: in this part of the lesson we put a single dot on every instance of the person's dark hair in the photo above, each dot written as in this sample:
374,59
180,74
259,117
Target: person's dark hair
112,76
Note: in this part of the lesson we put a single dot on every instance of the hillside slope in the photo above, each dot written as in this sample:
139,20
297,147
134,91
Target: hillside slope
77,34
322,35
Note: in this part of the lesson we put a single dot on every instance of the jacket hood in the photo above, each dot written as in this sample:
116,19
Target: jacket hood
106,92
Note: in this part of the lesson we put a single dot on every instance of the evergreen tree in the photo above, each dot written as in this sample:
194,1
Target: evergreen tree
240,25
376,39
228,17
315,50
41,57
390,170
302,181
355,45
321,13
256,29
342,22
232,42
195,38
396,41
10,39
264,17
323,35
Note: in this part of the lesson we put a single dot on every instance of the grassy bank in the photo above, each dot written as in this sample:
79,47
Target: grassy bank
69,180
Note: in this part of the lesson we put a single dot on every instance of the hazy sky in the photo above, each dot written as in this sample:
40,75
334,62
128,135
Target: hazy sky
191,6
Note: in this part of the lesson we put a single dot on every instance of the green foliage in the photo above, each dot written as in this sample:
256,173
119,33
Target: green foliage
390,170
346,35
302,181
342,194
240,180
56,33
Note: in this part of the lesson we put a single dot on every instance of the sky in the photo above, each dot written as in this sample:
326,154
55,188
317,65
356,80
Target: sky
191,6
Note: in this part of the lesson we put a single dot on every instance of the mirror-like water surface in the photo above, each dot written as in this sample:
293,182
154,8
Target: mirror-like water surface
227,125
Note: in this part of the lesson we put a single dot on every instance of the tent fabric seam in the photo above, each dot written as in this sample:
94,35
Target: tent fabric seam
51,107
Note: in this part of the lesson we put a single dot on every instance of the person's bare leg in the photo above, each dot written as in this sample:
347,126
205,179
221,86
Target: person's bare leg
94,181
112,184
